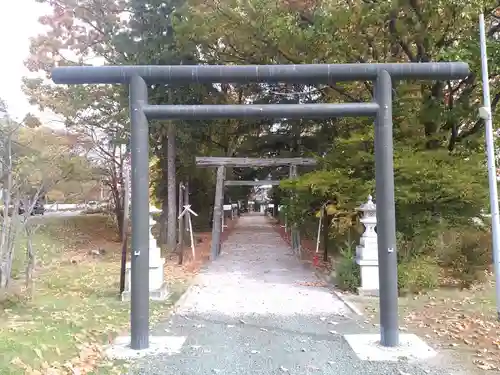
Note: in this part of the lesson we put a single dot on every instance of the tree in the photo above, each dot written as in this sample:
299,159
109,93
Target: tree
82,33
436,131
437,134
34,161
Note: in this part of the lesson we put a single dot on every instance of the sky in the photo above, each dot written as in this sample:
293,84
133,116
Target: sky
18,22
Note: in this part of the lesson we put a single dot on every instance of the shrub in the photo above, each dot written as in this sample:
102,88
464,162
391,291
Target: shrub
417,275
467,255
464,253
347,273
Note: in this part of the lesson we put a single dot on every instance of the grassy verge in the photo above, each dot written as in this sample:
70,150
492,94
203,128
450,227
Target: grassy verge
74,309
460,322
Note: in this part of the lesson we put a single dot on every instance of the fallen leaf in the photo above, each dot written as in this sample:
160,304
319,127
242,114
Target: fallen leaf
38,353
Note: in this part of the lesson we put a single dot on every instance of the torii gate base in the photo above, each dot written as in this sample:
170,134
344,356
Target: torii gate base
138,77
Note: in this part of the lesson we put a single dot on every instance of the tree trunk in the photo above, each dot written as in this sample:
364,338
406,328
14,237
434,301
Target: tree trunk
172,190
31,261
117,194
119,214
163,221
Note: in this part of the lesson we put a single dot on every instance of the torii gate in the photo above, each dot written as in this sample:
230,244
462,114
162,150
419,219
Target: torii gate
139,78
221,163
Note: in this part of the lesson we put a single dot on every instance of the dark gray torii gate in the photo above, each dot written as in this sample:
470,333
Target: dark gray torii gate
221,163
139,77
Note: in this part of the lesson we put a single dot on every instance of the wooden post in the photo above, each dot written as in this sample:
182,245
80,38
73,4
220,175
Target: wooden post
326,228
295,235
320,224
181,223
186,202
222,206
191,235
217,218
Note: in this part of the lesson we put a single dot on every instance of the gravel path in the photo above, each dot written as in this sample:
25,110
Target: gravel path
249,312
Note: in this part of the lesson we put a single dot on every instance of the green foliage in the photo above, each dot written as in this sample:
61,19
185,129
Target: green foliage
436,186
418,274
347,273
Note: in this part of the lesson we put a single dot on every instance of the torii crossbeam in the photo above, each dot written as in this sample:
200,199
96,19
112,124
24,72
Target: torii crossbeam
251,183
215,161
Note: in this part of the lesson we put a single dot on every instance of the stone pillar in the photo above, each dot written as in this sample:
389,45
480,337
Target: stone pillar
367,250
157,287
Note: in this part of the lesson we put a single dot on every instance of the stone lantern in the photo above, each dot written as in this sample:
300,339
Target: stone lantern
157,286
367,250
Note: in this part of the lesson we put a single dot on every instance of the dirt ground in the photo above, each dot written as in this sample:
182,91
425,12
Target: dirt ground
308,248
191,265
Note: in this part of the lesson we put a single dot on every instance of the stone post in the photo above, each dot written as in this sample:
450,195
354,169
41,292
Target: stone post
367,250
157,287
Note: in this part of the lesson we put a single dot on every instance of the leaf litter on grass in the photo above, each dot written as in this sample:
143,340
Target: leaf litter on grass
460,321
75,310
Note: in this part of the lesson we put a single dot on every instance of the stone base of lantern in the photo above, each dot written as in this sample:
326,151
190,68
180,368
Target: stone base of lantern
369,277
158,290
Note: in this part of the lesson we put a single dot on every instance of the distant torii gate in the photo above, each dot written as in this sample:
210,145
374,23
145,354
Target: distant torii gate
221,163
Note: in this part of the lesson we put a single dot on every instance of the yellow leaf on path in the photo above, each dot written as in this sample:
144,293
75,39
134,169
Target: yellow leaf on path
38,353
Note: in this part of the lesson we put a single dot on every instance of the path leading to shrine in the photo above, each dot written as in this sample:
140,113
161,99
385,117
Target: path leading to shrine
256,310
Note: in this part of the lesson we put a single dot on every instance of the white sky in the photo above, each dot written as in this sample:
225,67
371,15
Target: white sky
18,22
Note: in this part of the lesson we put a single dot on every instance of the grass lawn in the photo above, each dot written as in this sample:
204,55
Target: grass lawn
460,322
74,309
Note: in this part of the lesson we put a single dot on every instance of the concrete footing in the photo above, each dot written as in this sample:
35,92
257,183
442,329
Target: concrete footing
368,292
160,294
368,348
120,349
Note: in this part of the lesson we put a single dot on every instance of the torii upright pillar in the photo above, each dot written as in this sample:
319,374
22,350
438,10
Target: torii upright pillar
217,218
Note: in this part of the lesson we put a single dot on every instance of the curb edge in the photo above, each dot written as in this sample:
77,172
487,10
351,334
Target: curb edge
339,295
